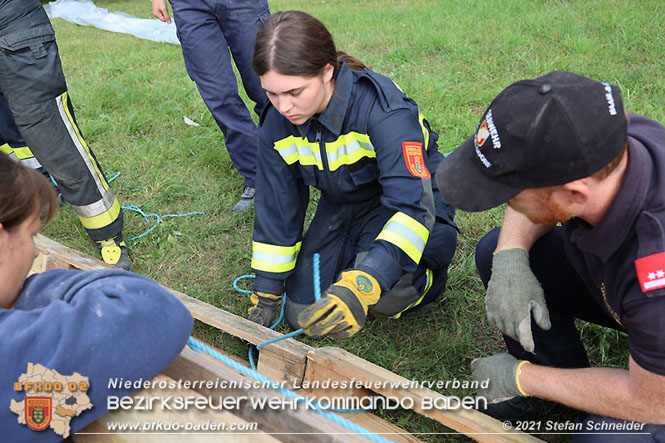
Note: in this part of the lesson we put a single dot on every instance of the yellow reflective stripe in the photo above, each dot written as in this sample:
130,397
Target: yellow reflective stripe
80,143
297,149
348,149
421,119
429,279
407,234
21,153
103,219
274,258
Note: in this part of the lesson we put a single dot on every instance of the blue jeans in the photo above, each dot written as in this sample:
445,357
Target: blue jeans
207,30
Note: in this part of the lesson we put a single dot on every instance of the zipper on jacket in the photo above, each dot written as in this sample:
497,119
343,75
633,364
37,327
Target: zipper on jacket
329,184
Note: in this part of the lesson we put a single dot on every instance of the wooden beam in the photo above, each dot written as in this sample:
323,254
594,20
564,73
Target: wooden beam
285,424
281,361
284,360
325,361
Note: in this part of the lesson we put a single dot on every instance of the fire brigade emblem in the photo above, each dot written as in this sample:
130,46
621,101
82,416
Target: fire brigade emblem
38,412
482,134
413,157
364,284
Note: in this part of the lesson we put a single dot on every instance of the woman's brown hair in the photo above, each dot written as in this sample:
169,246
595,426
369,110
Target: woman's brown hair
295,43
23,192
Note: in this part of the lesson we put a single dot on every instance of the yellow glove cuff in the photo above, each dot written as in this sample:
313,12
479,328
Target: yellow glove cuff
254,299
363,285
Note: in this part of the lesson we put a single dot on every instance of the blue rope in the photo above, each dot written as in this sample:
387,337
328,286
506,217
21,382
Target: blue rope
317,297
317,277
200,347
157,219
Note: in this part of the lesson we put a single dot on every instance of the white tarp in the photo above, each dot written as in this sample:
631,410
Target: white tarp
87,14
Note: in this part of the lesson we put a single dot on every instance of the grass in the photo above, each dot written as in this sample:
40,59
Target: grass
452,57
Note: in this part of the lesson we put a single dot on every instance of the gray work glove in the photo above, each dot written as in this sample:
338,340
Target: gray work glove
264,309
513,293
501,370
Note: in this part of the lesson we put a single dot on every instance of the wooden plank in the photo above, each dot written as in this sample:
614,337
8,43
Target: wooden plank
281,361
63,257
173,423
347,366
288,360
284,360
285,424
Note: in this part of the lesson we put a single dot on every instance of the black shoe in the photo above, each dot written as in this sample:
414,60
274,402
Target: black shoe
246,200
519,408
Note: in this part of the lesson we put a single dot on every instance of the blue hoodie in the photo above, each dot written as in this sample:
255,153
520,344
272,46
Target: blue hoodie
104,325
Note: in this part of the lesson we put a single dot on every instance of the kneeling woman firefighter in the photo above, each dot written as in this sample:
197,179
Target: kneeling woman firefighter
384,233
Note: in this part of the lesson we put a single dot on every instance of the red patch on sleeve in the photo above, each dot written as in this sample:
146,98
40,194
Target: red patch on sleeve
413,157
651,271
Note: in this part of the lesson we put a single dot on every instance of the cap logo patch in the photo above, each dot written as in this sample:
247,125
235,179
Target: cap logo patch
610,99
413,157
482,134
651,271
493,132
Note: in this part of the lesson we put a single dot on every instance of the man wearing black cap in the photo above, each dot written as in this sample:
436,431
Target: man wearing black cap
559,148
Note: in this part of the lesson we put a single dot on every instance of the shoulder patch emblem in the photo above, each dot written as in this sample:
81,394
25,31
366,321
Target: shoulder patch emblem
413,157
651,271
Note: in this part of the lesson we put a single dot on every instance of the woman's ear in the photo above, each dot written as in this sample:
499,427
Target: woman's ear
328,71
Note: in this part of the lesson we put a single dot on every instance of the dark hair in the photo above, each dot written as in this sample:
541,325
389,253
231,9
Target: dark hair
295,43
23,192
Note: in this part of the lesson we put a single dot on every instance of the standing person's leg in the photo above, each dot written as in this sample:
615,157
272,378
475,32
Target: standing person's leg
32,81
240,25
12,143
208,62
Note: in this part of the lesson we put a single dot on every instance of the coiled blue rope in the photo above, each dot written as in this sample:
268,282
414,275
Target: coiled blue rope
200,347
157,218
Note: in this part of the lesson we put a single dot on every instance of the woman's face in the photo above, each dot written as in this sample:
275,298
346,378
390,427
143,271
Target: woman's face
298,98
17,253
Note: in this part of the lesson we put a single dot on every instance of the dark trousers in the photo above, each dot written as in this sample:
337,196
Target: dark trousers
340,233
207,30
33,84
567,298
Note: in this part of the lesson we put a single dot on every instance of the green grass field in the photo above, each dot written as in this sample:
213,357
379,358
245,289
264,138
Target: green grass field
452,57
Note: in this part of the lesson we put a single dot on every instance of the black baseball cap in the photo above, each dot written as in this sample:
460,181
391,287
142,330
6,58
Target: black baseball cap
536,133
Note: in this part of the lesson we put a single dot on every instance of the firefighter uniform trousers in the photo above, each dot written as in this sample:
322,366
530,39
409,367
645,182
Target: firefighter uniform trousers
342,233
32,81
11,140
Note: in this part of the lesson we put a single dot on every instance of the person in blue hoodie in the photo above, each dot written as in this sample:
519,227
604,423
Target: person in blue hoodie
103,325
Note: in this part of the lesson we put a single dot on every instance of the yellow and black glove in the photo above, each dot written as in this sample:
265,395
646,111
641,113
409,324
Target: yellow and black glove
265,308
342,310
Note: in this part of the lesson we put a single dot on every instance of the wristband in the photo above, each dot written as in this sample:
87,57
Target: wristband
518,371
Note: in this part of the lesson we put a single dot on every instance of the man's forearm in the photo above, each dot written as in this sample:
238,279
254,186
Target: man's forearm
603,391
517,231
